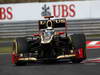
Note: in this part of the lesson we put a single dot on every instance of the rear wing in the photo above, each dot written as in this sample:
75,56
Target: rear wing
56,23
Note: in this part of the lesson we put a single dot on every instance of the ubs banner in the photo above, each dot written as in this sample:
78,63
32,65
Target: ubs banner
36,11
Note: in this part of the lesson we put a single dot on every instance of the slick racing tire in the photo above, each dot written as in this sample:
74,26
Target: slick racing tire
79,46
22,45
19,46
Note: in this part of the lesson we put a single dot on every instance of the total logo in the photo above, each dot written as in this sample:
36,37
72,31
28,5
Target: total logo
6,13
62,10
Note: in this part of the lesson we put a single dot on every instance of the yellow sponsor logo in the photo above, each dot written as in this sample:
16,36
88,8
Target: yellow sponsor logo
65,56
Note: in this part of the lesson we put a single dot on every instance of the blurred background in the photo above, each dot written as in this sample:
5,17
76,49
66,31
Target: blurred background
6,44
25,1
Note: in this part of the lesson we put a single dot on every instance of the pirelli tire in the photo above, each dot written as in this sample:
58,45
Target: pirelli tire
19,46
79,46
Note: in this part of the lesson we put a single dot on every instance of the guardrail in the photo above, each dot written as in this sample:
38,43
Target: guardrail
27,28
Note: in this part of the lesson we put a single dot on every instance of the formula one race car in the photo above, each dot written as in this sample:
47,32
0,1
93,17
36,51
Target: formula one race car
49,44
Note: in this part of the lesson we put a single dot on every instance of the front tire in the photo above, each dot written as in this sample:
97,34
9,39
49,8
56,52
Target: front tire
79,46
19,46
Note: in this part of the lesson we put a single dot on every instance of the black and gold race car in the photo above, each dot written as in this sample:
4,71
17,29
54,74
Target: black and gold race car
49,44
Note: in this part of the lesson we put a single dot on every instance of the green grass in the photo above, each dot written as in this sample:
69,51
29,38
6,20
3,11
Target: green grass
5,49
94,35
1,39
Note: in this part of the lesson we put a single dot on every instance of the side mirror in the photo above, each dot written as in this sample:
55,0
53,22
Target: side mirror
60,33
36,34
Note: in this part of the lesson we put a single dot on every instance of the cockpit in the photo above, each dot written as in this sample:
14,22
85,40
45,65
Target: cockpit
47,35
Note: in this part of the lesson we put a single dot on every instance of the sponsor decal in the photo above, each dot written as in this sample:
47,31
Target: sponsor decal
46,11
6,13
63,10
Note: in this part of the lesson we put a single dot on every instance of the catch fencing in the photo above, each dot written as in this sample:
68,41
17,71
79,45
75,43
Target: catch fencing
27,28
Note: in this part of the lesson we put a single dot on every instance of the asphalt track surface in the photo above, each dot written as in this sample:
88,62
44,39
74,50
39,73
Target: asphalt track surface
60,68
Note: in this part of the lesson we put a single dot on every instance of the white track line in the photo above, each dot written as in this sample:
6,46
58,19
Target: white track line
92,60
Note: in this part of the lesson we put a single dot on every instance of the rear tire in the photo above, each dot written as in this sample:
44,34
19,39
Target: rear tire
79,44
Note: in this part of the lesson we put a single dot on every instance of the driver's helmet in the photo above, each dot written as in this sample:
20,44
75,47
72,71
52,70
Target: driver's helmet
48,32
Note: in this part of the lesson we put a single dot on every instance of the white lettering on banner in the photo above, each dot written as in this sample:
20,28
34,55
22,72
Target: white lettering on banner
6,13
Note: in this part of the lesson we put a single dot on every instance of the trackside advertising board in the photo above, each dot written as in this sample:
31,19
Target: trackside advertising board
35,11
